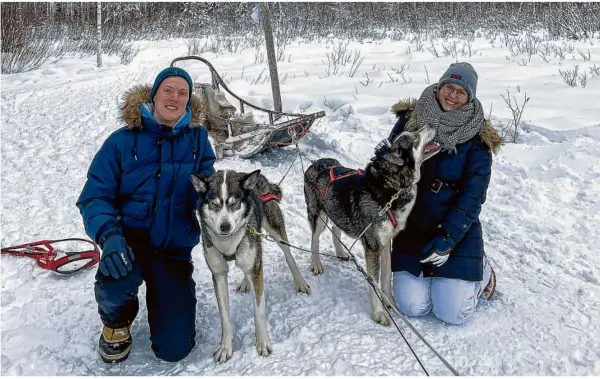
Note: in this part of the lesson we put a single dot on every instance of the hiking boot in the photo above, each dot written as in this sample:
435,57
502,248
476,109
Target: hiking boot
114,344
490,289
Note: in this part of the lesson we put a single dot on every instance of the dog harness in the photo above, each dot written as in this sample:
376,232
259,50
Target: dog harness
340,172
265,197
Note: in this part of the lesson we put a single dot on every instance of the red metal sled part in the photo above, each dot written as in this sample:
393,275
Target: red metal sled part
47,257
283,129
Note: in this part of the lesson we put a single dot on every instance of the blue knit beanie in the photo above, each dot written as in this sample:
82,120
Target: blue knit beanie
171,71
462,74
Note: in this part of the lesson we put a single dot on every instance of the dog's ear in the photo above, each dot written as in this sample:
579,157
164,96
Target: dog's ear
249,181
200,185
395,156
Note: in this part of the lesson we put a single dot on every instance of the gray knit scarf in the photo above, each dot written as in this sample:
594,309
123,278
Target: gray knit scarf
452,127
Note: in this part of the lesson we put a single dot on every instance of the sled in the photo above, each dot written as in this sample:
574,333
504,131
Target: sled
279,129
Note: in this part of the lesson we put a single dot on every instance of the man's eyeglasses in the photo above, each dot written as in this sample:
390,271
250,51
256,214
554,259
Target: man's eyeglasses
450,89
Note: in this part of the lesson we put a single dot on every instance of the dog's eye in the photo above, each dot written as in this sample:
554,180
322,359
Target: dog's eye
233,201
215,201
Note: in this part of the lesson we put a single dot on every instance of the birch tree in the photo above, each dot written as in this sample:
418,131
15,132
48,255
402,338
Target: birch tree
99,34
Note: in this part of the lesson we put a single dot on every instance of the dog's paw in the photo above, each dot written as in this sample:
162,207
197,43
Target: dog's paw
341,254
223,352
381,317
389,304
302,286
263,347
317,268
244,286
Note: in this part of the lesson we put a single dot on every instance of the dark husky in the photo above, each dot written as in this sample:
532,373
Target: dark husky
352,199
231,204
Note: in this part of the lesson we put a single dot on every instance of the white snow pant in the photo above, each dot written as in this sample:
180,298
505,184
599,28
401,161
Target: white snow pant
451,300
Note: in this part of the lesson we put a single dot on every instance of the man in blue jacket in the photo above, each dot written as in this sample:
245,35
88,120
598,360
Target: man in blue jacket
138,205
438,259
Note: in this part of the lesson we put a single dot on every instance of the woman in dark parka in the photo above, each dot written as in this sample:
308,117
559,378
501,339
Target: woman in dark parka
438,261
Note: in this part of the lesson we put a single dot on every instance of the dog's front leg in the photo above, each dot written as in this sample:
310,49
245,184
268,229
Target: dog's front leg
224,350
379,314
253,275
219,268
263,343
386,274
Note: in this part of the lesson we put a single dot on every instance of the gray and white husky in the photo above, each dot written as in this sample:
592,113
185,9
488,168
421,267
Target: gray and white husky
352,199
231,205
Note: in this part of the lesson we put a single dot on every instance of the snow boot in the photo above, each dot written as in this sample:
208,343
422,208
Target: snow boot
490,289
115,344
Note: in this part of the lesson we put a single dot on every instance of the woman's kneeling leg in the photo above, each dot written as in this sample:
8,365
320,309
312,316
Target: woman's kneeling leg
412,293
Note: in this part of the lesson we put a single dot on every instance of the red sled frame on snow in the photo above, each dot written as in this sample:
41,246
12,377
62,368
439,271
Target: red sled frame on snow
45,255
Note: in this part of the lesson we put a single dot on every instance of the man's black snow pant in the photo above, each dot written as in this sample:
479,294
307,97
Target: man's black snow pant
170,297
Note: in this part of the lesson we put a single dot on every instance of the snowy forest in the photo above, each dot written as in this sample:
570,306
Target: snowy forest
33,32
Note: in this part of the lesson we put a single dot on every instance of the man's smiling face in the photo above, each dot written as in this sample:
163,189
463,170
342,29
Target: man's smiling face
171,100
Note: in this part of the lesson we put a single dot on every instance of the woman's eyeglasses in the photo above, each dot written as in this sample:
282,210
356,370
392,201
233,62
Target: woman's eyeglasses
450,89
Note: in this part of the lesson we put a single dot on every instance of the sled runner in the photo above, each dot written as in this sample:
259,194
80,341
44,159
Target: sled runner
243,134
51,254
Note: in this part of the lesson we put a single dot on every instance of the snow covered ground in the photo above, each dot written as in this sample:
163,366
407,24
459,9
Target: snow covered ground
541,218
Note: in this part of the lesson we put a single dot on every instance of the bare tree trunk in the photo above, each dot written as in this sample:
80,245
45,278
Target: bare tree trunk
20,15
99,34
266,20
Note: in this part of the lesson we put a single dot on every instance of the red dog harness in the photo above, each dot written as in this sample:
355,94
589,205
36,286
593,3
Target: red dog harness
269,196
333,177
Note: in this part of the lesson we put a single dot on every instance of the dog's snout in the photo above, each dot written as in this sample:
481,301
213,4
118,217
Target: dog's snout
225,227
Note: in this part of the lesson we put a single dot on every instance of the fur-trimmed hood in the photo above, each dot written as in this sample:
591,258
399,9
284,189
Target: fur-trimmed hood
488,133
140,94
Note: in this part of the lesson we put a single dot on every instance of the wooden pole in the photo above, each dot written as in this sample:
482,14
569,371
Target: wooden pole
265,16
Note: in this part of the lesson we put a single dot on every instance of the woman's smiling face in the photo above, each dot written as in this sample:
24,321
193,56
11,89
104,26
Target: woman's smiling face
452,97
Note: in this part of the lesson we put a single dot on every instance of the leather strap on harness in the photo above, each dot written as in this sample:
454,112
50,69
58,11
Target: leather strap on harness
268,197
392,218
333,177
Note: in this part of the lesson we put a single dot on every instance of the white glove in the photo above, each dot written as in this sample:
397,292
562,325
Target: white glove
437,251
436,259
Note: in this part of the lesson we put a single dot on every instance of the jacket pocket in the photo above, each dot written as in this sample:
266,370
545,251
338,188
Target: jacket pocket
135,209
136,215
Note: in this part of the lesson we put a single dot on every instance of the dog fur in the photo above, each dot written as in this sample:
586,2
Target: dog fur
355,201
229,207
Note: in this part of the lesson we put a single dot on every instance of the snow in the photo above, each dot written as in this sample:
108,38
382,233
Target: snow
541,219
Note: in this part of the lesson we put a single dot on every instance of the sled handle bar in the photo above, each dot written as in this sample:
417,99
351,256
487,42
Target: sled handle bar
218,81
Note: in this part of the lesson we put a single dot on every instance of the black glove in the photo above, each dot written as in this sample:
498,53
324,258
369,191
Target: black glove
117,257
